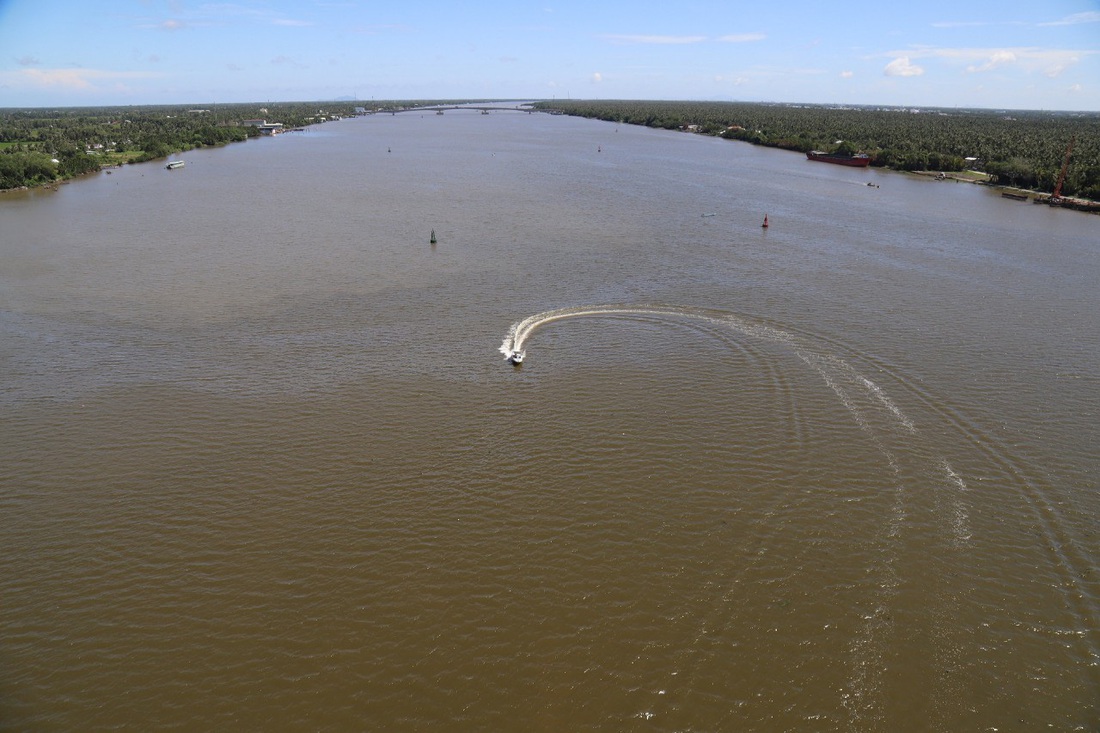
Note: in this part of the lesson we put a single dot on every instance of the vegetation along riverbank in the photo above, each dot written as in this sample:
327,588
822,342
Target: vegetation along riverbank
1024,150
1019,149
40,147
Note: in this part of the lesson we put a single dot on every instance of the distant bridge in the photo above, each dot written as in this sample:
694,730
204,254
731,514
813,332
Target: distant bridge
440,109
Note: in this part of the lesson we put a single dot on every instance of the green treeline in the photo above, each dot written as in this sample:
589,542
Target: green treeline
1024,149
1018,148
40,146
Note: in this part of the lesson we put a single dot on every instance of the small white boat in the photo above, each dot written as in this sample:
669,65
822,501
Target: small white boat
174,164
516,357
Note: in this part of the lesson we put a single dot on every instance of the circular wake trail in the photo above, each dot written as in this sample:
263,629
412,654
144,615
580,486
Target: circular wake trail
891,431
521,330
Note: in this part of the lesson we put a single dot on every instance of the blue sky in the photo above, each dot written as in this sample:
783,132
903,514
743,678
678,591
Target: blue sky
970,53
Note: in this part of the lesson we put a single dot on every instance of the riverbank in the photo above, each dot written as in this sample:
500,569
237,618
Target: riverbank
964,176
112,160
1013,192
1025,149
44,147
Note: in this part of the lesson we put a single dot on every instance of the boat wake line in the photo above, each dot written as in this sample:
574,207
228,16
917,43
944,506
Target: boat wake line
516,339
918,480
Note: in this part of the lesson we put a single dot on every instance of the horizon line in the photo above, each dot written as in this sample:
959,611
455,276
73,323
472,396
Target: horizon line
532,100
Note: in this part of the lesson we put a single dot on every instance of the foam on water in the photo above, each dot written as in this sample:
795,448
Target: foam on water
896,438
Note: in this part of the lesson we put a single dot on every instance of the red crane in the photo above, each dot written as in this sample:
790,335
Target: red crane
1062,176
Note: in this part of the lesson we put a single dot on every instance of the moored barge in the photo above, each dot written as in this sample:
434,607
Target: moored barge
859,160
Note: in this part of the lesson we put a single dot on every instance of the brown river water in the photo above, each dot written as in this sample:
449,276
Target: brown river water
263,465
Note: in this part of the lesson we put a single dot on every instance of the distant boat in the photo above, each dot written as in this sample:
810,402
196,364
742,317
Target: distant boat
765,224
174,164
516,357
432,240
859,160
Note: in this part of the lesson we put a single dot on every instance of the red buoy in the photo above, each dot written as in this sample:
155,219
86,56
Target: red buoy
765,224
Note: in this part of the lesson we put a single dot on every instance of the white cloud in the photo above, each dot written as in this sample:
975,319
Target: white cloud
680,40
70,79
960,24
282,60
220,14
660,40
1055,69
1076,19
902,67
1048,61
846,75
742,38
995,59
375,30
977,23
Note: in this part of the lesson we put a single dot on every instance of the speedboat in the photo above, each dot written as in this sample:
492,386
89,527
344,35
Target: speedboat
516,357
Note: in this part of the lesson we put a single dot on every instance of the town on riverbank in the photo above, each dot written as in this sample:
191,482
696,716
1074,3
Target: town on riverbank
1049,157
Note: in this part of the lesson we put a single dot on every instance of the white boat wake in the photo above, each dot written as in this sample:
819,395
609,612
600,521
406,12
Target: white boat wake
895,437
918,479
841,377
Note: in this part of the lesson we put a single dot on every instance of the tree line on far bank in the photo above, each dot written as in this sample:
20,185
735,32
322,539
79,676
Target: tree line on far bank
41,146
1016,148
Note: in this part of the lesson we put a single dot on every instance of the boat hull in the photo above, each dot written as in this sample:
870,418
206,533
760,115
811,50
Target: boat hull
855,161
